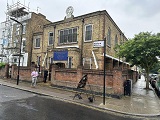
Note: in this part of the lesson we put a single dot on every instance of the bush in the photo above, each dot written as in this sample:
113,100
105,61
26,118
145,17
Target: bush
2,65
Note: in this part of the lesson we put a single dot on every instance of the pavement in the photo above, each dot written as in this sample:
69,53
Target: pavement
142,102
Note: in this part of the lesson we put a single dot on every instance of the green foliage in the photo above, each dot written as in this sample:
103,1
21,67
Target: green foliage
2,65
156,68
141,50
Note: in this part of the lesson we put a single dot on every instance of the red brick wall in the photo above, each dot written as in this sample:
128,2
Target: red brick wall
118,82
66,75
4,72
24,73
70,78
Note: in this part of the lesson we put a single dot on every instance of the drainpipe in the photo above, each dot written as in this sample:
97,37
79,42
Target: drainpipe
53,43
30,62
104,24
81,58
54,35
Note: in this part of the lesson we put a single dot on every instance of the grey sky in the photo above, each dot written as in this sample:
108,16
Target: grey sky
132,16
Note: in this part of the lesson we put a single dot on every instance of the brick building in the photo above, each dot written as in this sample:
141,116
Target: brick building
11,33
71,42
30,25
75,46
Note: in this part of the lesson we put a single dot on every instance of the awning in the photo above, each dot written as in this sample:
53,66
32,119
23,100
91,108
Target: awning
115,59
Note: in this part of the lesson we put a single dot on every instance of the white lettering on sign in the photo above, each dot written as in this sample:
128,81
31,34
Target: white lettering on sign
98,44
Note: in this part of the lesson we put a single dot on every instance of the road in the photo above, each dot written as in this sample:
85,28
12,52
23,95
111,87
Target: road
21,105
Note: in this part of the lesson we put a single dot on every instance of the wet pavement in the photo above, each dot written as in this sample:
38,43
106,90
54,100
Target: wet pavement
142,102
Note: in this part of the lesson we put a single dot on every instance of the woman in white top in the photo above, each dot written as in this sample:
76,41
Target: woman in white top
34,75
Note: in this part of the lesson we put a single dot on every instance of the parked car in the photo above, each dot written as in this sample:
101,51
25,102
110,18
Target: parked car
157,87
153,75
153,81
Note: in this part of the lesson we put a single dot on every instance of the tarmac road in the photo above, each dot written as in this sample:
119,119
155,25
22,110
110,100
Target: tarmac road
21,105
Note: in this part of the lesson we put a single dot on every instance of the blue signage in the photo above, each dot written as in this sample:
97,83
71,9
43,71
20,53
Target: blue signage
5,42
60,56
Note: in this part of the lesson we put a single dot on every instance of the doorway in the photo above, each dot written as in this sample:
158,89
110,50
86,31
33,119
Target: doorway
60,65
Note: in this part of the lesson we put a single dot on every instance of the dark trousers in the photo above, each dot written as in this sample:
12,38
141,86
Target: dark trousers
45,78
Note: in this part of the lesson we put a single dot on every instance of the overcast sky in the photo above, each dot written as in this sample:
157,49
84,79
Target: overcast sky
132,16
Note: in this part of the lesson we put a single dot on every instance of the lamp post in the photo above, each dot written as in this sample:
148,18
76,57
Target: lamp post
104,78
19,47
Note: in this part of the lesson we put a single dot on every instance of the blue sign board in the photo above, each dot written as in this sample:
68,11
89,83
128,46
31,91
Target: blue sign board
60,56
5,42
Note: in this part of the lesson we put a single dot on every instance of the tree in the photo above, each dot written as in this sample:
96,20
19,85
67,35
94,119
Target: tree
142,51
155,68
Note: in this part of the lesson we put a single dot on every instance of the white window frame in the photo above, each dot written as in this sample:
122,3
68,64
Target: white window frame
91,33
68,41
90,62
49,38
23,45
24,28
70,62
17,29
35,43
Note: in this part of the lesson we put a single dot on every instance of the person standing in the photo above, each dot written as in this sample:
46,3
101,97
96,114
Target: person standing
45,75
34,76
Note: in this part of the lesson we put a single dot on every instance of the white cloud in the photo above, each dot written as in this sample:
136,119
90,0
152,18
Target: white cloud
132,16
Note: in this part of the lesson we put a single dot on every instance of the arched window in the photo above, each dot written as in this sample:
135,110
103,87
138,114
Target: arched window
109,37
116,40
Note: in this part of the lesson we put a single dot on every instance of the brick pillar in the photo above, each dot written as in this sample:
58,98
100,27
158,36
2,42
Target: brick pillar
6,70
79,73
100,59
14,71
111,64
115,64
53,73
135,76
101,63
118,82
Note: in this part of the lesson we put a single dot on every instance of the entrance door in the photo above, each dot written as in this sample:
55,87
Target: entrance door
60,65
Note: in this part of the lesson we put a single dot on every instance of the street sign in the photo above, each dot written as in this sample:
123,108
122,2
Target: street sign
98,44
